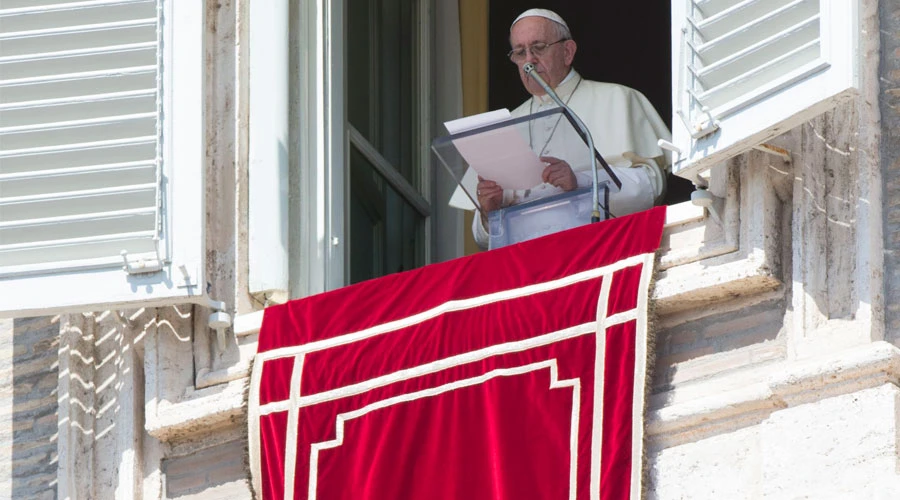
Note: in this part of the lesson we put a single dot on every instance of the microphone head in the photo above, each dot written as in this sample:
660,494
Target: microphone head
528,68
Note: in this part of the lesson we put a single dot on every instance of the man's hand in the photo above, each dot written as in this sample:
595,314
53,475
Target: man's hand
490,197
559,173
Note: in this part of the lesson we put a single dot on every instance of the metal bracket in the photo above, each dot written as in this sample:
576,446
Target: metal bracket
141,265
701,197
700,129
218,320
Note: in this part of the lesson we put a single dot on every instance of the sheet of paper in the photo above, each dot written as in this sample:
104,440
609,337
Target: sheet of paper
501,155
474,121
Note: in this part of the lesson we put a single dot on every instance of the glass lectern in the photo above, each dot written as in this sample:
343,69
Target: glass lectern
508,152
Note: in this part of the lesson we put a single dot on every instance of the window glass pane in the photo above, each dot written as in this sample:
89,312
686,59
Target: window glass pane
386,232
381,75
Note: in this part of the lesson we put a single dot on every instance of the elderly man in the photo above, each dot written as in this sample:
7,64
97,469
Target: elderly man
623,123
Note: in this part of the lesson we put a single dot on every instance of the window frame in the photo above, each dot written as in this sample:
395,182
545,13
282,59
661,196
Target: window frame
319,177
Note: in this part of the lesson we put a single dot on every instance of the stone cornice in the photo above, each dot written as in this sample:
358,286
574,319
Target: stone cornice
789,383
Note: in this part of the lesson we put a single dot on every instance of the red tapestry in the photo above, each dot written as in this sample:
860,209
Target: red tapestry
517,373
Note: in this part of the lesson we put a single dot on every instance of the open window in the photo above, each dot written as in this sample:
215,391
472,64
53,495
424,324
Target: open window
745,71
101,155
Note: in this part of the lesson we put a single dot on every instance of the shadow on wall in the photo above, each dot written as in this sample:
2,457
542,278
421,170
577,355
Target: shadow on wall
77,388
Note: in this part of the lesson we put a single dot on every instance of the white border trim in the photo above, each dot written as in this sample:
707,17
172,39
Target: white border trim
430,368
450,306
638,403
293,420
599,358
555,383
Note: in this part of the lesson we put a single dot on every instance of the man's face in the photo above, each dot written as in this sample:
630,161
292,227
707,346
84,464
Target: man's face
554,64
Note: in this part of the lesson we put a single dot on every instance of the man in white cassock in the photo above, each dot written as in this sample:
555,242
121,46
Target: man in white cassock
623,123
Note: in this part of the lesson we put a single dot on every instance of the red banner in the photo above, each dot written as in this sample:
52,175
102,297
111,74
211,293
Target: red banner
512,374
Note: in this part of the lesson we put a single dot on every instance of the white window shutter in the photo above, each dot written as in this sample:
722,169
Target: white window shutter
745,71
101,154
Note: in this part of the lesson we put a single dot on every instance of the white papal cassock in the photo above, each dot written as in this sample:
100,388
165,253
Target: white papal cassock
625,128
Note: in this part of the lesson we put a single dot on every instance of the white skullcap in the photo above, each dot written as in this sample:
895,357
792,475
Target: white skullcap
545,13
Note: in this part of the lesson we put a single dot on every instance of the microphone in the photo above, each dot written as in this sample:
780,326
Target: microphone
528,68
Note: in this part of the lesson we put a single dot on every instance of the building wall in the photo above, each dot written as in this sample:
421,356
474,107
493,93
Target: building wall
28,407
772,377
889,106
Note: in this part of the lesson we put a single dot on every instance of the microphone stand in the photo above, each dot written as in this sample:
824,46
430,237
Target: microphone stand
528,68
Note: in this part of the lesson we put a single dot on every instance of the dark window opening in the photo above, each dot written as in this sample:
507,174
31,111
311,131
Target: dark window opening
621,42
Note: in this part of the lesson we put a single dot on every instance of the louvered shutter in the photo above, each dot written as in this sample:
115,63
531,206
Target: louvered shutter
101,153
747,70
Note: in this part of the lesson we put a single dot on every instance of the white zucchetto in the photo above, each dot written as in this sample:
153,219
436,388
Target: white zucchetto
545,13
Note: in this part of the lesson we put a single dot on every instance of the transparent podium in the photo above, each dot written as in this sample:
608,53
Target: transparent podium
507,152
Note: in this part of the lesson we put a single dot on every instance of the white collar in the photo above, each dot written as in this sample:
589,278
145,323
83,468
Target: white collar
563,90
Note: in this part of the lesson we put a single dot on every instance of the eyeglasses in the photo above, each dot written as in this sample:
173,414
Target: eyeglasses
537,49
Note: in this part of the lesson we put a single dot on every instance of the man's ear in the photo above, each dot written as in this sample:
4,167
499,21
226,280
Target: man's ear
571,47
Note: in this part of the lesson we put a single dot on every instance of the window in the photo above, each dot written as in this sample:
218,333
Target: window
386,210
364,105
747,70
101,155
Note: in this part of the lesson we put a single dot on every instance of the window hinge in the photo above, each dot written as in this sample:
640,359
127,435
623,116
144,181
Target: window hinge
141,265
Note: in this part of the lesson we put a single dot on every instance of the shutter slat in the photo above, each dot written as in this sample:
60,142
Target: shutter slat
81,99
757,29
9,84
764,78
88,13
137,55
95,225
80,180
91,51
10,205
94,216
64,172
72,241
741,49
83,146
76,29
736,16
73,109
746,60
22,7
39,255
110,153
42,42
74,124
710,8
99,225
79,133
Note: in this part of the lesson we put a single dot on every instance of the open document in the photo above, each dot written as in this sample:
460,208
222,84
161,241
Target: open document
500,154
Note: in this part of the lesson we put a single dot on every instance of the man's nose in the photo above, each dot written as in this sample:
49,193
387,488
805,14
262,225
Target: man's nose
530,57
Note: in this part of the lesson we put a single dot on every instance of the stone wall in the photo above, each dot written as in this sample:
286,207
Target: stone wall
890,161
216,472
28,407
843,447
